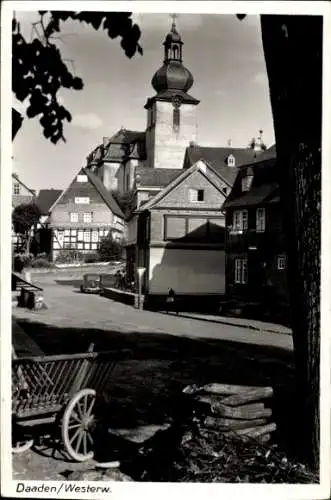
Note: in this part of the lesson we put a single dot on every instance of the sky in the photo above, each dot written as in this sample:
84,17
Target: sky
224,55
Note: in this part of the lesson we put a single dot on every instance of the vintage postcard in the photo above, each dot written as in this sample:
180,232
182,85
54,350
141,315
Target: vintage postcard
165,249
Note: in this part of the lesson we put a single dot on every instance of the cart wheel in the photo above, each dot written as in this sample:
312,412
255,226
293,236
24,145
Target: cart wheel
22,446
77,423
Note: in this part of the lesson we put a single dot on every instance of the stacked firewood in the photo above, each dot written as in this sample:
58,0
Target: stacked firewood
234,409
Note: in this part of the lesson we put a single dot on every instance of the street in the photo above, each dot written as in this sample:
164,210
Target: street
167,353
67,307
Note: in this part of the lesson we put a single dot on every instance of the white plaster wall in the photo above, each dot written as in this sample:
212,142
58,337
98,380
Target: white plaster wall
113,176
169,146
187,271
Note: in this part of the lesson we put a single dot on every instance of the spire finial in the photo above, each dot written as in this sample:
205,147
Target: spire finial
173,17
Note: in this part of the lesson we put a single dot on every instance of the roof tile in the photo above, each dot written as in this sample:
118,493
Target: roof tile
46,198
157,177
106,195
216,157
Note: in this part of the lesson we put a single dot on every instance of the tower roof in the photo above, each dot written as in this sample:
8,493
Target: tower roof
173,35
172,76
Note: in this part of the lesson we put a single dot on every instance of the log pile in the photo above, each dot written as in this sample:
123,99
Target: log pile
234,409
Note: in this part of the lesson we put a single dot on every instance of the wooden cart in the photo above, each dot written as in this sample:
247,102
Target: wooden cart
60,389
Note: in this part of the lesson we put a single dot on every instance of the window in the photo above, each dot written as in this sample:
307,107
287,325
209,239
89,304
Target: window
17,188
231,161
197,228
87,217
240,220
175,227
176,118
240,271
281,262
87,236
246,182
81,178
82,200
95,236
197,195
73,217
260,220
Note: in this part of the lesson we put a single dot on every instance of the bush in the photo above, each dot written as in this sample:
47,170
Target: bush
110,249
69,257
90,258
41,262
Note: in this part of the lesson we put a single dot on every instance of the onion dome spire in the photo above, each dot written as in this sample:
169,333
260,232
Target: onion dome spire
172,75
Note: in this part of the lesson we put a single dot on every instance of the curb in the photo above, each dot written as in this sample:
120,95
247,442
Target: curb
230,323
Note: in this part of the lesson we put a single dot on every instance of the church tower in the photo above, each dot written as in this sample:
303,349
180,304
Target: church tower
171,113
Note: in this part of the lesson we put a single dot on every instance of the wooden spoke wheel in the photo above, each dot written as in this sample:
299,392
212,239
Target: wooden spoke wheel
20,446
77,425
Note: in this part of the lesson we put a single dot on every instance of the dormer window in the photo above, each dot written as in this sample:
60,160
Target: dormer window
246,182
231,161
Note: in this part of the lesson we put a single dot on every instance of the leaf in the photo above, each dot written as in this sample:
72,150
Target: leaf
39,72
77,83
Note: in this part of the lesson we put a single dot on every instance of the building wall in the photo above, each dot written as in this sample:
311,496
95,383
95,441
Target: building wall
158,217
129,174
145,194
261,251
101,215
132,228
81,236
167,146
150,136
187,271
113,176
180,196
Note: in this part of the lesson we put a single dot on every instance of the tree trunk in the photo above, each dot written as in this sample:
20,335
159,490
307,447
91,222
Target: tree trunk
28,242
293,54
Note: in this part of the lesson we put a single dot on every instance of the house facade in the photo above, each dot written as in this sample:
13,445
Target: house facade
178,236
145,163
255,248
21,195
83,214
42,241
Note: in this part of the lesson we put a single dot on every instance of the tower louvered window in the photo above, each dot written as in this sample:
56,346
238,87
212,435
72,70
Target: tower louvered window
176,118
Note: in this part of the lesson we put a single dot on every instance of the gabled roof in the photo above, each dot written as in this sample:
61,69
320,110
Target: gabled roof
257,195
156,177
217,158
46,199
106,195
123,144
178,180
264,187
97,184
17,179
